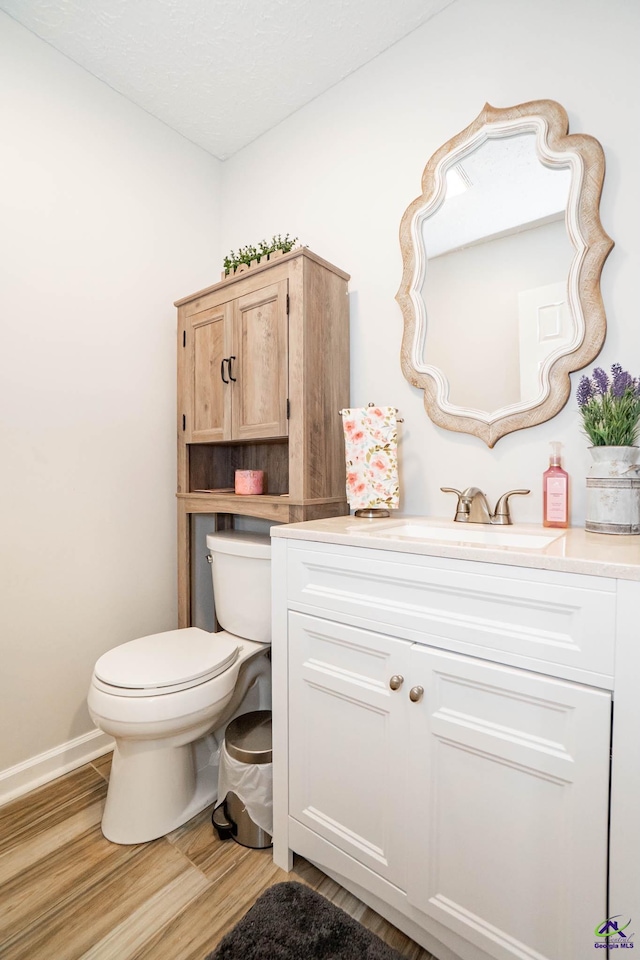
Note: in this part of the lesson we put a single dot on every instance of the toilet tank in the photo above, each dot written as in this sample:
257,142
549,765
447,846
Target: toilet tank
241,573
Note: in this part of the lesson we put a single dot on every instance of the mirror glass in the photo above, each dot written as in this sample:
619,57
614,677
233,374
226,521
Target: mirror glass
500,226
493,291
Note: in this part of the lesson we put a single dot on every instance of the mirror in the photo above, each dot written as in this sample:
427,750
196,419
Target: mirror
502,257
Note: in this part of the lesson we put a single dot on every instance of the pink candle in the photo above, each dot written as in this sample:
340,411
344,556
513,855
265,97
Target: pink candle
249,482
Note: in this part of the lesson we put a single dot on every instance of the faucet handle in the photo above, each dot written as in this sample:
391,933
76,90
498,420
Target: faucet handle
501,513
463,506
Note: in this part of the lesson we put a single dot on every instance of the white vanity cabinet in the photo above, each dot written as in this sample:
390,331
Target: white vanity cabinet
442,734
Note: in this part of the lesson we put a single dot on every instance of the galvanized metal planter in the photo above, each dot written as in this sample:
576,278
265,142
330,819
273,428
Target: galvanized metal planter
613,491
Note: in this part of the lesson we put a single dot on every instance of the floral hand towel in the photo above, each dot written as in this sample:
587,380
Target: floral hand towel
371,448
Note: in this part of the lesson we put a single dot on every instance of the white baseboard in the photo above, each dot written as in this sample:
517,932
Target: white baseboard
32,773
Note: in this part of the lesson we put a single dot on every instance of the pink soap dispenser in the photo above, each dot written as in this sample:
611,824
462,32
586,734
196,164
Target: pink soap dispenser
555,491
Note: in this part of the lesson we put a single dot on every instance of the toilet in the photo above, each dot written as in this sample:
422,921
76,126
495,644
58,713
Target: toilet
166,698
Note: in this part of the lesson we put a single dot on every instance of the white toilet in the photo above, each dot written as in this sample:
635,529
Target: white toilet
163,697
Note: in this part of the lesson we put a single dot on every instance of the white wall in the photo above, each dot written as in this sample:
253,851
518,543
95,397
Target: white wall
341,171
107,217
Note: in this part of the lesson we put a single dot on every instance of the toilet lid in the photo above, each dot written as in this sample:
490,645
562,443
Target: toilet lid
177,659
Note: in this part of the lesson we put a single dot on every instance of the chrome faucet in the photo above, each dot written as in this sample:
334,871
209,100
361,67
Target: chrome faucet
473,507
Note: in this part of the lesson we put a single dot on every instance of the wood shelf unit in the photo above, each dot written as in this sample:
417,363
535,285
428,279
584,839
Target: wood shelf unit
263,369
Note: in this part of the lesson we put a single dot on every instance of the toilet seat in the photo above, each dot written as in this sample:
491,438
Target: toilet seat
165,663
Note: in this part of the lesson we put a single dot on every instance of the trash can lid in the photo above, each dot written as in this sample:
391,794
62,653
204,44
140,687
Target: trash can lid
248,738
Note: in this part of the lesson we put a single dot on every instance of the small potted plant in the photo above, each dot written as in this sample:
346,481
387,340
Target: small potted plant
249,255
610,411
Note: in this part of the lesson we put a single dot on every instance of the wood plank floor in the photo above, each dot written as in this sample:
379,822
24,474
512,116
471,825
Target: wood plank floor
66,893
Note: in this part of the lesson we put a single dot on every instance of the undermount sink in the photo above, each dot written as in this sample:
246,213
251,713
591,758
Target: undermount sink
469,533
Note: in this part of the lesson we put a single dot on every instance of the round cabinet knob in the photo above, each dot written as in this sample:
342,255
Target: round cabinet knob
415,694
396,681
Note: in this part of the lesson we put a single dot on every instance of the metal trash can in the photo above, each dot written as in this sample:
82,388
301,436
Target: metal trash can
245,780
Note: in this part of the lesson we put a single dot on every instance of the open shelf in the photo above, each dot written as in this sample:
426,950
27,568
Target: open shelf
212,466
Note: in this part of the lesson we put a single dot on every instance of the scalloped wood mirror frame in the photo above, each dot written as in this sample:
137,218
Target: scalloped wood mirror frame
583,156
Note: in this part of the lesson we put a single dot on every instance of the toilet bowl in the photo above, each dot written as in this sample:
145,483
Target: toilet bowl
163,697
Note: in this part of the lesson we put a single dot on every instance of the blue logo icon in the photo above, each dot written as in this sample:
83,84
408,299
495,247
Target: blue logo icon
611,933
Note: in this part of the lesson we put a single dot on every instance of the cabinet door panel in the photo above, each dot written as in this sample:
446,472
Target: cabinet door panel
510,797
260,366
209,343
347,740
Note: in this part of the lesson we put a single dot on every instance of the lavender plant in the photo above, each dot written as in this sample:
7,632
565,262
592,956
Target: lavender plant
610,407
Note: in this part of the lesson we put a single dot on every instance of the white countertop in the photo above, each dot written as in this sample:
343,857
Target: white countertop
572,551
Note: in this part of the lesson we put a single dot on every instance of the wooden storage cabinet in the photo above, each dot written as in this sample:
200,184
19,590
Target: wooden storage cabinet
468,795
263,370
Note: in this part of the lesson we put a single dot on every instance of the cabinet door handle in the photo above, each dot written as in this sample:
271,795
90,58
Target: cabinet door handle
396,681
231,377
222,363
415,694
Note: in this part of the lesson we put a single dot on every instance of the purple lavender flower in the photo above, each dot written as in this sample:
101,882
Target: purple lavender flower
621,382
601,380
610,409
584,392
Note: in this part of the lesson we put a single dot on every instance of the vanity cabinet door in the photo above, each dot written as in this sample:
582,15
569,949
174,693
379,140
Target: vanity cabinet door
509,801
348,740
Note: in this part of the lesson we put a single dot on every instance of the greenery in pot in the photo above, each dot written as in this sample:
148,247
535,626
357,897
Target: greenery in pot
249,253
610,407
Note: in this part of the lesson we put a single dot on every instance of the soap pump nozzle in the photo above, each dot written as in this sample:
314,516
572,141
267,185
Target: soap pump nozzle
555,459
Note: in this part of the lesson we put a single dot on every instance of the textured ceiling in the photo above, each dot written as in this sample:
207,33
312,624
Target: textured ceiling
221,73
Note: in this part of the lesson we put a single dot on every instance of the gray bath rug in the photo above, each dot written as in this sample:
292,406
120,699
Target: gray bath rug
292,922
